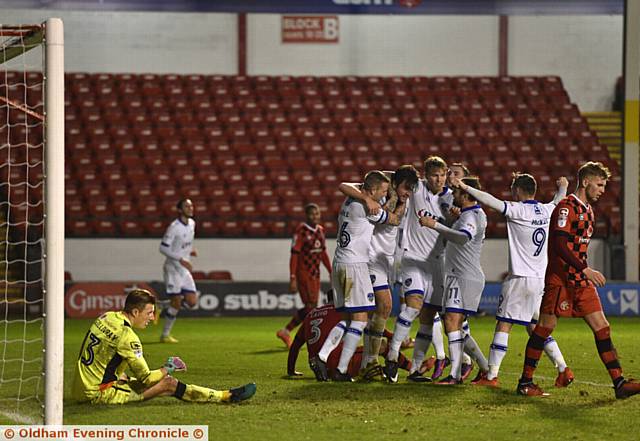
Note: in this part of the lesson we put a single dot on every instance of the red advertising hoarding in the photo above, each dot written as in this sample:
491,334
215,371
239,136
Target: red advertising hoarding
90,299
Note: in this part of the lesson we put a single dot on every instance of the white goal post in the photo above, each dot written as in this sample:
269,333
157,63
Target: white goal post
54,221
32,222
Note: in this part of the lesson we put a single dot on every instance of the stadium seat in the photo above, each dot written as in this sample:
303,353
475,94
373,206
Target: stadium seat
206,132
219,275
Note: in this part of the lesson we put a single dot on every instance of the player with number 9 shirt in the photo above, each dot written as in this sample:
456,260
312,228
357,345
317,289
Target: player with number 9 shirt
527,226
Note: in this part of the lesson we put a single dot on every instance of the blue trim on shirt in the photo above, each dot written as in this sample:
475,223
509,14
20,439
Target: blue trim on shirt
504,210
474,207
380,288
467,233
383,217
530,201
444,191
165,244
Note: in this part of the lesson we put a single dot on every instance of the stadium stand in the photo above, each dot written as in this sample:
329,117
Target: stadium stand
251,151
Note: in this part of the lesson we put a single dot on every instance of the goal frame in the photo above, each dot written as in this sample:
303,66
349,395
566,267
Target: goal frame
50,34
53,291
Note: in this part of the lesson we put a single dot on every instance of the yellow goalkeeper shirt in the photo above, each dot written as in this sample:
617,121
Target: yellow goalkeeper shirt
109,348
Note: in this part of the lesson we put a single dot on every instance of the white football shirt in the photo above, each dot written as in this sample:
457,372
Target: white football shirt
384,240
528,230
463,261
355,230
177,242
421,242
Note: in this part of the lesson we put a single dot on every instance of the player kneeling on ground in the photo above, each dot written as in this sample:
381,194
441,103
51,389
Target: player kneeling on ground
111,347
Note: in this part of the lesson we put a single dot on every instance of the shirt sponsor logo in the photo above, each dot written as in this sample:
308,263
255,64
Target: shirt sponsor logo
563,215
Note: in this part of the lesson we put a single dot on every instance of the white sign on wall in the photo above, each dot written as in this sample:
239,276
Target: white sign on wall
310,29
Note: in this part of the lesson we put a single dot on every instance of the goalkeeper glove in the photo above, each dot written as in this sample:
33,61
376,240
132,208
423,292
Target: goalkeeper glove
175,364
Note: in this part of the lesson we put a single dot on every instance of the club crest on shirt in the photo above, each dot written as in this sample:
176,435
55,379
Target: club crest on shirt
370,297
563,215
564,306
408,282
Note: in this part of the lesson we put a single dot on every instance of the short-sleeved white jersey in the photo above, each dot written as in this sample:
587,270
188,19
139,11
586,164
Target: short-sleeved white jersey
355,230
178,240
463,261
528,229
421,242
384,240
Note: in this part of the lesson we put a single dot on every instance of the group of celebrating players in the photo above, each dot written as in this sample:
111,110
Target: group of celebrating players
430,230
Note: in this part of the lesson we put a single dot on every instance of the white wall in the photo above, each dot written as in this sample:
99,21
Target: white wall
586,51
380,45
142,41
261,259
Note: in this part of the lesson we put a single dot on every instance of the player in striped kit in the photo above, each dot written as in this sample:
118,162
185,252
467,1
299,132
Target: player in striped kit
570,284
350,275
308,249
527,226
464,279
381,253
177,246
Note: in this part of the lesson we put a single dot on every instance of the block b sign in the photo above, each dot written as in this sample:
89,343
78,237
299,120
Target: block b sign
310,29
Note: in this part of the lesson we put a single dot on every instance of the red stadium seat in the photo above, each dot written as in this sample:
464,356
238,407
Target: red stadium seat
219,275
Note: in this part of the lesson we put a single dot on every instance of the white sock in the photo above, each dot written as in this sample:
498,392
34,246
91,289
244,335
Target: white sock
437,339
403,326
170,315
471,348
350,344
553,352
423,340
456,342
499,348
333,340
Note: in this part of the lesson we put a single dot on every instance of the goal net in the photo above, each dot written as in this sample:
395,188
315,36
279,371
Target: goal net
31,222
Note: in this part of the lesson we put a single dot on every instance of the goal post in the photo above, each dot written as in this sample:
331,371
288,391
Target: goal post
32,223
54,221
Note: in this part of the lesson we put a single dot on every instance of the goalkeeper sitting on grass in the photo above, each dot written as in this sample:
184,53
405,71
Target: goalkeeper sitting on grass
111,346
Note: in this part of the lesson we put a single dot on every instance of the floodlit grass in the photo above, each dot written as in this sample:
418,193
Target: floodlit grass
226,352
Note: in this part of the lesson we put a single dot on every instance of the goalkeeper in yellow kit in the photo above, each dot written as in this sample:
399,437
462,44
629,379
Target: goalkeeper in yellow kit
111,347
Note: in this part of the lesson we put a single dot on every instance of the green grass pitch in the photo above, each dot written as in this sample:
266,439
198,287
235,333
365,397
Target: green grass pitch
226,352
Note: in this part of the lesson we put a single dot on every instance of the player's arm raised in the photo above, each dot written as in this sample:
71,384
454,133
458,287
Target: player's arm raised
562,184
352,190
481,196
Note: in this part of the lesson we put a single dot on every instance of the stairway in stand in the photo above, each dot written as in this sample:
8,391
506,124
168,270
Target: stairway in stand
608,128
